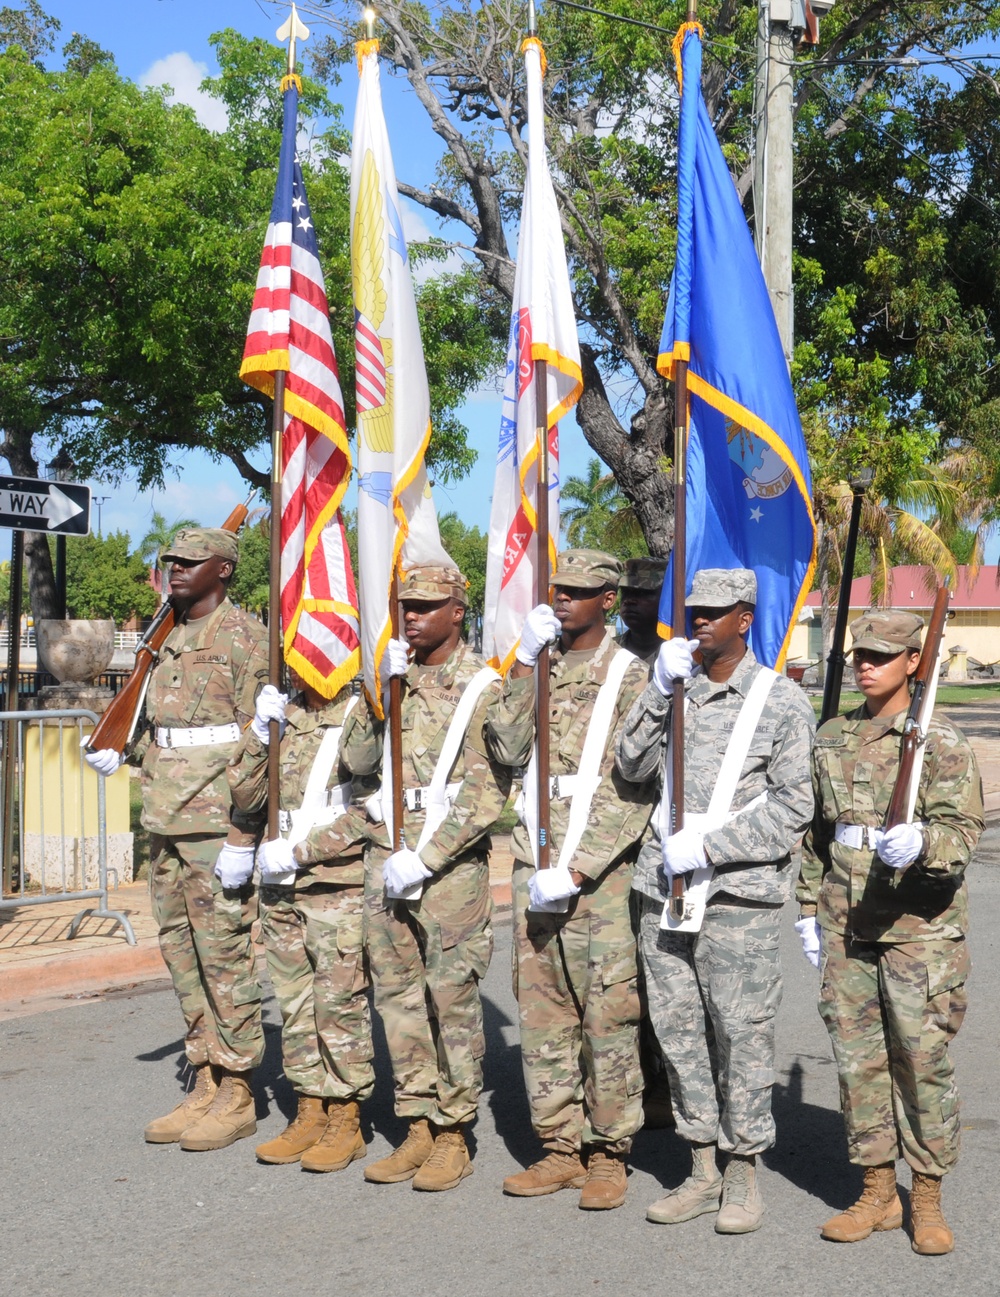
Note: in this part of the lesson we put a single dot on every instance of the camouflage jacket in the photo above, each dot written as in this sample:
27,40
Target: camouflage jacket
430,696
626,641
208,673
331,853
855,762
752,853
620,809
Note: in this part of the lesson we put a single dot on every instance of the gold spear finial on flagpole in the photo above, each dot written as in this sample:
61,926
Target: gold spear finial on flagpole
292,30
532,19
368,14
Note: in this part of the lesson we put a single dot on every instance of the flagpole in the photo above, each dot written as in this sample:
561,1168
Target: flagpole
542,730
395,683
274,651
678,621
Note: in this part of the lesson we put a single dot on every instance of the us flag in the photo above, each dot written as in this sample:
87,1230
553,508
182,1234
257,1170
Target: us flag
290,330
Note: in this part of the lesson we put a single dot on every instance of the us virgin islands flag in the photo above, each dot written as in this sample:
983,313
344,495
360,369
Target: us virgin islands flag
748,488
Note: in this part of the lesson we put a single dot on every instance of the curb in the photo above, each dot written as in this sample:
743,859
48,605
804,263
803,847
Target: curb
94,971
84,970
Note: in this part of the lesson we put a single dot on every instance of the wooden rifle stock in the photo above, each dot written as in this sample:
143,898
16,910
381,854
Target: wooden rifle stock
116,727
929,655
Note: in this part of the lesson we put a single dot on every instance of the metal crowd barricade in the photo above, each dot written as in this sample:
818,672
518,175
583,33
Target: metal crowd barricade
58,849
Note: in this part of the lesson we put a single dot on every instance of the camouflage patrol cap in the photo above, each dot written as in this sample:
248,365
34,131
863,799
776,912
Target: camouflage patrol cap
643,574
199,543
887,630
585,569
429,584
718,587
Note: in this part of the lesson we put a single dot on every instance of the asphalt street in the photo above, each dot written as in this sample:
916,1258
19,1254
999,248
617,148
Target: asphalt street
88,1208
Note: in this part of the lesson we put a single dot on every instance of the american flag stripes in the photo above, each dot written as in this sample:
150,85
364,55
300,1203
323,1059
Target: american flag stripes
289,331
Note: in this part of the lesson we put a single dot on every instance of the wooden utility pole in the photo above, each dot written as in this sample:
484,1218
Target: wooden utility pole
773,164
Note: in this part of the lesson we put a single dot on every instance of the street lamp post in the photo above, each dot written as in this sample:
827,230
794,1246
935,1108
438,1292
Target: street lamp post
99,502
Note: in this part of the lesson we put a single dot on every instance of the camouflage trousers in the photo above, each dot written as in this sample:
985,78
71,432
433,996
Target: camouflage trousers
713,996
206,945
892,1010
427,958
576,983
313,942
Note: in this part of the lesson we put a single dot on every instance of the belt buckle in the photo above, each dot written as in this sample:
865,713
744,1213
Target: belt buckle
170,737
417,799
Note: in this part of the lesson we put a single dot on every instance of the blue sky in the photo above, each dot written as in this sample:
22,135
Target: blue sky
166,42
159,42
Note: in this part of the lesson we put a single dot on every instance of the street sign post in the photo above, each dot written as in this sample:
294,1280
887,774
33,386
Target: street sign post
59,508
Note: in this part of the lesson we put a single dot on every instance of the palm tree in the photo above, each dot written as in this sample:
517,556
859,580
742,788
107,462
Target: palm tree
598,515
160,535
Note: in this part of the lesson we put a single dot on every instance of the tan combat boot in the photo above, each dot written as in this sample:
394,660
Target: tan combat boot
931,1235
877,1209
555,1171
169,1129
742,1209
341,1142
606,1184
448,1164
302,1132
232,1116
404,1163
699,1193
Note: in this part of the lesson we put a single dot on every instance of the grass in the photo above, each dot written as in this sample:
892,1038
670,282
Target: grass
947,696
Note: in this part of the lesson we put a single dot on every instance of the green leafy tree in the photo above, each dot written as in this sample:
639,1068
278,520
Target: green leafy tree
128,255
467,546
105,579
159,536
895,210
596,514
250,586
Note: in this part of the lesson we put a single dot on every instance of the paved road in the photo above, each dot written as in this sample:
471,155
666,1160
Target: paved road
88,1208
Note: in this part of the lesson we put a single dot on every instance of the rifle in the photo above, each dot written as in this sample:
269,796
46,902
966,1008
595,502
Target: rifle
918,717
117,727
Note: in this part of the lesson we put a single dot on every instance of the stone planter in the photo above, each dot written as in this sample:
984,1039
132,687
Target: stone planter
75,651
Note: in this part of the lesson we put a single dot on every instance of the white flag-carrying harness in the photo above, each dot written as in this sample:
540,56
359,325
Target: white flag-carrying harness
719,807
581,787
396,516
542,328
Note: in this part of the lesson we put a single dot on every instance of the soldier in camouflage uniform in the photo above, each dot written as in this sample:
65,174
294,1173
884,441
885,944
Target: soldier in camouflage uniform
575,973
889,910
639,608
713,994
429,951
201,695
312,905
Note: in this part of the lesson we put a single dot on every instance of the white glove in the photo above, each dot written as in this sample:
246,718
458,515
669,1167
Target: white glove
403,869
397,657
270,706
541,627
105,761
234,866
900,846
683,852
275,857
673,662
809,934
551,885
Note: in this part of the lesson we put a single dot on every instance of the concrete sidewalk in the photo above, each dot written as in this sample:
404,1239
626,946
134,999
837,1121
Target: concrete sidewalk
38,961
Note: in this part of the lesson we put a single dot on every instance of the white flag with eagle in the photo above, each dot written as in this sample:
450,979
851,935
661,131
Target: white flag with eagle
396,516
542,327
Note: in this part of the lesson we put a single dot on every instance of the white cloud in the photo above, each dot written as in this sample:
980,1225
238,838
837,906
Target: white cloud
184,76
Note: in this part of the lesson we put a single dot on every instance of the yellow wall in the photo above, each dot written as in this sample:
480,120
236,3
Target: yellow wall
57,800
977,630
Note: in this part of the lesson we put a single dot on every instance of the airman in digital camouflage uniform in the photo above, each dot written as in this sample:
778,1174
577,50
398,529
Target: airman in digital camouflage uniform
312,906
885,914
575,973
428,953
713,995
639,608
201,695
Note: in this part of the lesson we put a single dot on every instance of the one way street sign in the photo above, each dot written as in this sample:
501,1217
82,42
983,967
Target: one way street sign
27,504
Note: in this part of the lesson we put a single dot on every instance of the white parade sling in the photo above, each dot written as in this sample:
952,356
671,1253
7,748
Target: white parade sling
719,808
320,805
586,780
439,794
